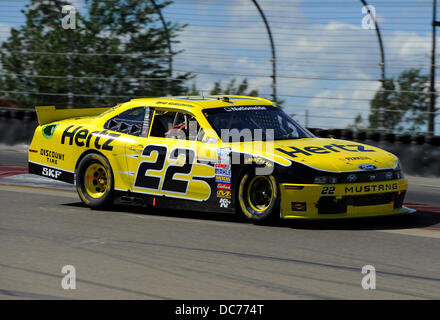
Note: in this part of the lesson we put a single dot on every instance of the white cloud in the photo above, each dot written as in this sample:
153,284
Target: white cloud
314,53
5,31
309,57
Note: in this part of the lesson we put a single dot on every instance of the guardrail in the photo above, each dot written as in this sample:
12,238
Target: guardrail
419,154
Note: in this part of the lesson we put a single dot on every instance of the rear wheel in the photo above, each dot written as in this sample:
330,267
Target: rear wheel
94,181
258,197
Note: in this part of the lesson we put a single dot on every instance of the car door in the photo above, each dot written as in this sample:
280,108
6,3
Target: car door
131,126
168,163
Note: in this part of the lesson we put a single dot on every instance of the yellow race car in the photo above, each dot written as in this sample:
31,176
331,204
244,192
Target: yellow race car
215,154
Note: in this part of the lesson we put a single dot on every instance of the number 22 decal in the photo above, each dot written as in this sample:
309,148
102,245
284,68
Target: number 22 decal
169,183
328,190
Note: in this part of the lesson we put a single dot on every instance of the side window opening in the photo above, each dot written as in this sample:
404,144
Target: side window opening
162,122
134,122
176,125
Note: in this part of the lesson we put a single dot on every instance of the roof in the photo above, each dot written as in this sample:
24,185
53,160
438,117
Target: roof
208,102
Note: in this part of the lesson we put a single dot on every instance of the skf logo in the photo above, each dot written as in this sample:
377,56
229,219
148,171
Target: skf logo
52,173
223,194
83,137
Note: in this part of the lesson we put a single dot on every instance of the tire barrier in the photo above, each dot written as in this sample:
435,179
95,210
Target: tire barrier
419,154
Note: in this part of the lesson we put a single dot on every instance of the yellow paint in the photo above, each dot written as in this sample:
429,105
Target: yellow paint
311,193
125,167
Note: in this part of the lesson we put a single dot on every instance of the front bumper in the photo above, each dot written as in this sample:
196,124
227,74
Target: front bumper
316,201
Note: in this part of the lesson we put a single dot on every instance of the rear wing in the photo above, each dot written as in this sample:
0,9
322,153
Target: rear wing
51,113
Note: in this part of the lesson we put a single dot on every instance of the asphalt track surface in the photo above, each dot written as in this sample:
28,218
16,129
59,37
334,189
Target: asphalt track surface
138,253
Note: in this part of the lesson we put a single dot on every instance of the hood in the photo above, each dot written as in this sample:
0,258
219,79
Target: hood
332,155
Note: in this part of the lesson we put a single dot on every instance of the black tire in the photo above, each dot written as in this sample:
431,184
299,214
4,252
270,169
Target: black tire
270,211
98,200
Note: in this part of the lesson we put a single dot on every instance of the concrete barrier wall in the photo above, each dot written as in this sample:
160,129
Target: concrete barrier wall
419,154
17,126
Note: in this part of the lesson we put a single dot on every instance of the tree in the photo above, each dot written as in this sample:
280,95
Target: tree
232,89
120,51
406,103
357,123
241,89
193,91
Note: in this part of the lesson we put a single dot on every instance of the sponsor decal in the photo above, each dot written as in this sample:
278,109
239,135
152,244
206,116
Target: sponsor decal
367,167
82,137
52,156
224,155
293,152
259,161
52,173
224,203
372,188
354,158
245,108
223,172
222,179
224,194
175,104
224,159
299,206
224,151
49,130
222,166
224,186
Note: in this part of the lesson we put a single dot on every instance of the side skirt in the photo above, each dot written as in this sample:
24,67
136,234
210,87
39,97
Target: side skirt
140,199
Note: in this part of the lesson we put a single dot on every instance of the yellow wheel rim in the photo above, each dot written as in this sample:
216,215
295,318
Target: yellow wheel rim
96,180
260,193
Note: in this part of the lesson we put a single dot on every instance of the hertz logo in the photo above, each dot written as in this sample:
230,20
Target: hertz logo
308,151
83,137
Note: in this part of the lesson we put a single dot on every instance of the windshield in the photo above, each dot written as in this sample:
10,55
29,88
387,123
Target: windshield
254,123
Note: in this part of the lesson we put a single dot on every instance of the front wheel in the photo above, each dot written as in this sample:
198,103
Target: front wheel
258,197
94,181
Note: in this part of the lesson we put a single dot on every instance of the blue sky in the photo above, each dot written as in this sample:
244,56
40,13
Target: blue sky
327,64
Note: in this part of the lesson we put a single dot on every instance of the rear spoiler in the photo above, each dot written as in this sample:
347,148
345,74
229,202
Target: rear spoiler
50,114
